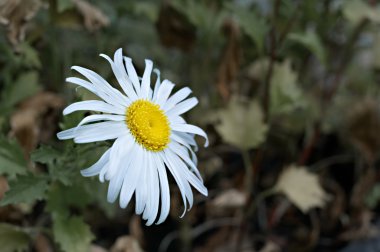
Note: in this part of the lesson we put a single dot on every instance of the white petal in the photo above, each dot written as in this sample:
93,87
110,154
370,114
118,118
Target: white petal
183,107
141,188
108,128
101,117
148,180
164,186
183,185
190,177
115,97
103,171
131,177
117,180
176,120
132,75
176,98
87,85
145,82
173,160
182,153
119,150
163,92
93,105
188,137
73,132
194,158
114,187
149,183
121,75
103,131
157,85
93,88
177,138
189,128
154,192
95,168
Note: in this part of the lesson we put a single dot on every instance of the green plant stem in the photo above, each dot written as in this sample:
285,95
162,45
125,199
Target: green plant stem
272,55
259,198
185,236
248,180
249,212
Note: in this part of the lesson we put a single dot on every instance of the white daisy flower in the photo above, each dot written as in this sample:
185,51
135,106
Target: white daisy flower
150,137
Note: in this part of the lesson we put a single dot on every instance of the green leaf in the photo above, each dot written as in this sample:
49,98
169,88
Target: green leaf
63,5
63,173
61,198
200,15
12,161
45,154
98,192
356,11
254,26
25,189
373,197
285,95
148,9
242,124
311,41
29,56
57,163
376,50
72,234
72,120
25,85
13,238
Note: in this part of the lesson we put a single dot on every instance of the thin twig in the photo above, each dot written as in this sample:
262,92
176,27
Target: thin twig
249,176
272,55
290,22
327,162
346,58
309,147
198,230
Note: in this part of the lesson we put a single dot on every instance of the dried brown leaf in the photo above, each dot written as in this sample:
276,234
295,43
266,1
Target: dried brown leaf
363,230
363,127
126,244
35,119
231,198
15,15
362,187
135,229
270,246
229,65
43,244
3,186
94,18
97,248
174,29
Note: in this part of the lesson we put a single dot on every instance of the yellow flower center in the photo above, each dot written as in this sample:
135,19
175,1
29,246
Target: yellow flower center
148,124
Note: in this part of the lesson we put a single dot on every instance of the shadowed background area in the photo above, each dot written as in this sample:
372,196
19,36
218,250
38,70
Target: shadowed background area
288,93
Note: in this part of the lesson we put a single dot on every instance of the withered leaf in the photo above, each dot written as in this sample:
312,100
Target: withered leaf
302,188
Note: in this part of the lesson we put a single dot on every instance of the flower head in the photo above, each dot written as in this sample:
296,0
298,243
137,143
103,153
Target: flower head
150,135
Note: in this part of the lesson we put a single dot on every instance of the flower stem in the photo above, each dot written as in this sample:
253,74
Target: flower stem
248,180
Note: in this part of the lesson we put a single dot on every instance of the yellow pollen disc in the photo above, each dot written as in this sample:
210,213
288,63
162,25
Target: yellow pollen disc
148,124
